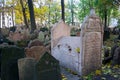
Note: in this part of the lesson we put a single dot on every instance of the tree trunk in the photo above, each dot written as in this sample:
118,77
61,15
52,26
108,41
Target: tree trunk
24,14
105,15
72,12
62,7
32,17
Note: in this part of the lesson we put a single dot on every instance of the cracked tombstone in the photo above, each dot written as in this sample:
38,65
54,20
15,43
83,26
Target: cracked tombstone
9,67
48,68
26,68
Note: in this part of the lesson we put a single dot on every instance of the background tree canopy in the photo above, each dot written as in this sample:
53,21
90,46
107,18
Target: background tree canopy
49,12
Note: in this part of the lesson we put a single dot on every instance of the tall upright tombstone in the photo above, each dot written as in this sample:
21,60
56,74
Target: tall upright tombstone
26,68
59,30
91,40
9,67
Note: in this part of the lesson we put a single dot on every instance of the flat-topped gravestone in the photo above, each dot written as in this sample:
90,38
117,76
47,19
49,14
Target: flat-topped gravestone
91,40
35,52
48,68
9,67
59,30
26,68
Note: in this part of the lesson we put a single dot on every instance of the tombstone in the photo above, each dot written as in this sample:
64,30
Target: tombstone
67,51
80,54
107,56
35,52
15,36
26,68
9,67
5,31
35,42
59,30
116,57
41,36
113,50
48,68
91,40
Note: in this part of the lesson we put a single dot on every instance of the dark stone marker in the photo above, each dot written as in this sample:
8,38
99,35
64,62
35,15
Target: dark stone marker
48,68
26,68
116,57
9,57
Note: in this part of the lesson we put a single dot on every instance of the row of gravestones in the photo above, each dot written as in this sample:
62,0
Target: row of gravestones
16,64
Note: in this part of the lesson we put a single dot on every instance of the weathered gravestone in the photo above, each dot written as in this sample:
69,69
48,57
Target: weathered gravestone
47,68
80,54
35,42
9,67
41,36
15,36
65,48
91,39
59,30
26,68
35,52
116,57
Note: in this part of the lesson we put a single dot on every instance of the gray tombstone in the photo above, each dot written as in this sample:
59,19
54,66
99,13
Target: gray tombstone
116,57
9,57
48,68
26,68
91,40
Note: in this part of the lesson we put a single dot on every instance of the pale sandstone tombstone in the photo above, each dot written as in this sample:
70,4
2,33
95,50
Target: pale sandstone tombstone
91,40
59,30
35,52
26,67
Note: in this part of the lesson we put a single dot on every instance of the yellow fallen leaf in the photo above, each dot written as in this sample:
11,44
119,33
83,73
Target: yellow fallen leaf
98,72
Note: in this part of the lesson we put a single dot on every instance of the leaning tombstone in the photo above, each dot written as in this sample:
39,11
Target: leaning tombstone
9,67
26,68
48,68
